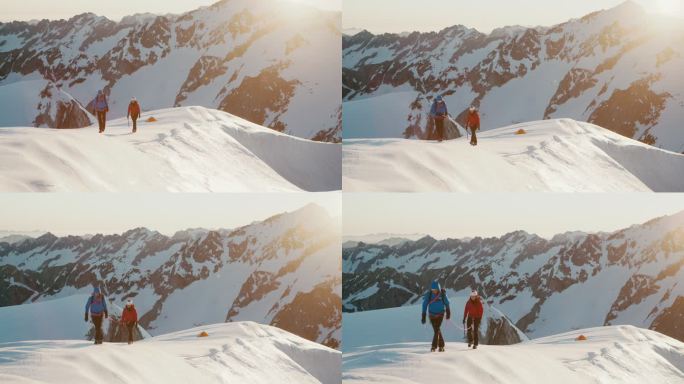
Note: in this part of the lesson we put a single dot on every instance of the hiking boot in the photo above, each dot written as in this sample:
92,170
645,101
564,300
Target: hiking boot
441,349
474,346
469,344
433,349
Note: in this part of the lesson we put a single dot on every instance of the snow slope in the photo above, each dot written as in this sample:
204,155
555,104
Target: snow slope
560,155
616,354
188,149
233,352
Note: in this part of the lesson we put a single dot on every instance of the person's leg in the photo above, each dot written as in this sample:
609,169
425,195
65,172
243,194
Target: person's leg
130,331
474,135
135,125
440,338
476,331
97,321
104,120
469,327
98,114
440,129
435,329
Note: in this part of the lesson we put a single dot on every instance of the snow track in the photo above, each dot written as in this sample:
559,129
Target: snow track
188,149
616,354
242,352
559,155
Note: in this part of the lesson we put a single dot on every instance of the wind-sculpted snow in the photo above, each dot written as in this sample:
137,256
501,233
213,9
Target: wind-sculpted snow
620,68
271,62
235,352
616,354
544,286
188,149
560,155
283,271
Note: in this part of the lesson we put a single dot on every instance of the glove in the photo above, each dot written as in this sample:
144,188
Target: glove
106,314
448,314
86,317
422,318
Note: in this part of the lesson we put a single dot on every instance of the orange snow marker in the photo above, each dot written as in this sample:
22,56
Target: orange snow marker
151,119
581,338
520,132
203,334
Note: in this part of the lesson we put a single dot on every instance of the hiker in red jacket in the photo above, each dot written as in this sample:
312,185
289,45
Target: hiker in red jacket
473,122
472,315
134,112
129,318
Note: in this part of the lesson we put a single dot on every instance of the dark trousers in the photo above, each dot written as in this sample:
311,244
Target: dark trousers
473,326
473,136
135,121
439,129
130,326
101,120
437,339
97,320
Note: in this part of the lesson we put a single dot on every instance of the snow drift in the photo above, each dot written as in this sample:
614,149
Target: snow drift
560,155
616,354
188,149
233,352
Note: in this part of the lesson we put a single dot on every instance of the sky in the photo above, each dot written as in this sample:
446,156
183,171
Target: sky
91,213
115,10
458,215
397,16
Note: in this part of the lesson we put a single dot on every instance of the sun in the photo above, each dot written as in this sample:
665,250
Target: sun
670,7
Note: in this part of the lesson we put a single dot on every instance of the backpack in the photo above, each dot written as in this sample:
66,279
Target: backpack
442,293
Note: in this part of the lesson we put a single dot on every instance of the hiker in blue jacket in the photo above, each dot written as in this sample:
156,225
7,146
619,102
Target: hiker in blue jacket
436,304
101,107
97,307
439,113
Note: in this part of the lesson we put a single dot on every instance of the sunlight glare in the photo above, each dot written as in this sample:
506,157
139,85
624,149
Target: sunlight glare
670,7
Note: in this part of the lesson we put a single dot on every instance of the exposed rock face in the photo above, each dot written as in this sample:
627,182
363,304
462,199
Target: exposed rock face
260,272
614,68
57,109
630,276
262,60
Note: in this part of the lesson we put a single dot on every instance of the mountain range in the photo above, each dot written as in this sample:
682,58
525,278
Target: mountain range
271,62
544,286
283,271
619,68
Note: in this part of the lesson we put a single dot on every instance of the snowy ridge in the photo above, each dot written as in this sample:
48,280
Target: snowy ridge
543,286
617,354
619,68
234,352
271,62
188,149
283,271
558,155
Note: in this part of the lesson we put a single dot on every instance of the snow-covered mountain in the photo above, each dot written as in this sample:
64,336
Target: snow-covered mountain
545,286
558,155
187,149
616,354
238,352
619,68
272,62
283,271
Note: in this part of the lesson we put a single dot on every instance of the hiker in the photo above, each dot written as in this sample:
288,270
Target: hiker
472,315
134,113
97,306
101,108
439,113
129,318
436,303
473,122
